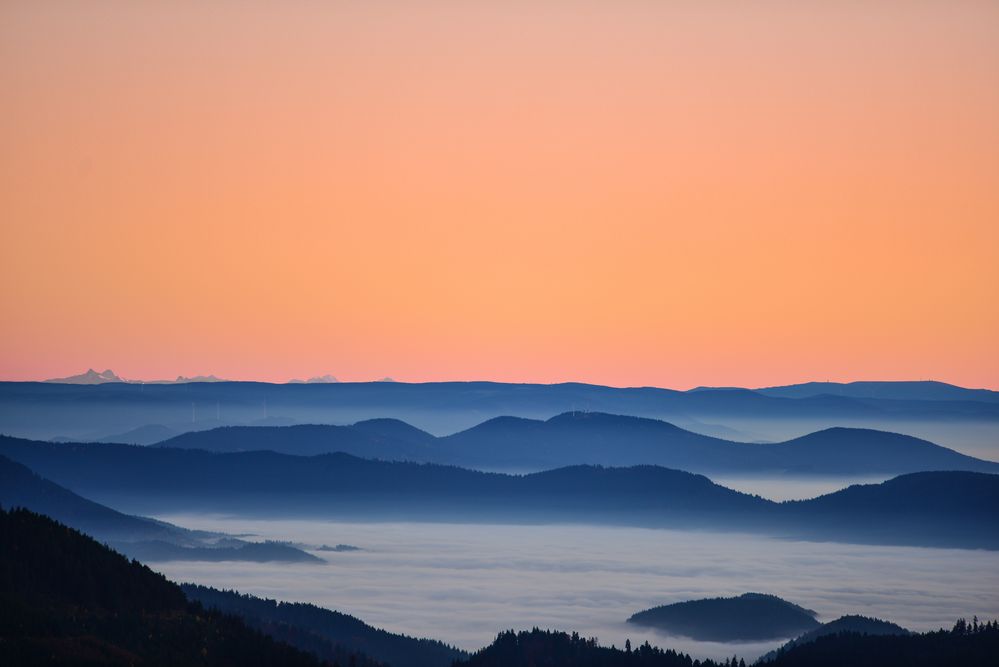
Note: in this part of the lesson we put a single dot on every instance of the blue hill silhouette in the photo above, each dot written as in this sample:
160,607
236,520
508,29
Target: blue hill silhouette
929,508
139,537
47,410
748,617
518,443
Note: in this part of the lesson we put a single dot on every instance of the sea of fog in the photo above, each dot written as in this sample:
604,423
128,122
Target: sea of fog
790,487
464,583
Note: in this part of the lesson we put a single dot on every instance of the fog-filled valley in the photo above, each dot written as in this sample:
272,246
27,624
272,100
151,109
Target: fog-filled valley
464,582
455,511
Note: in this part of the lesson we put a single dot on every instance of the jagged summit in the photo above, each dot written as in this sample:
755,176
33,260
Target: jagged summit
318,379
108,375
198,378
90,377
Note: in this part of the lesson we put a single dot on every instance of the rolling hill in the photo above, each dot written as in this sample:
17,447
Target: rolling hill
376,438
748,617
47,410
950,508
516,443
139,537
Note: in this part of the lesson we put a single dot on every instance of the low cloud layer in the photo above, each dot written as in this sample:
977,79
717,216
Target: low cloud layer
465,583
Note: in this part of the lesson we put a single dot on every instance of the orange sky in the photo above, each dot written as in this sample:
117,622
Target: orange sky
632,192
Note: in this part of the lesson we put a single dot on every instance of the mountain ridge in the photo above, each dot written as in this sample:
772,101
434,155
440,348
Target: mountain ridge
519,443
161,480
747,617
138,536
45,410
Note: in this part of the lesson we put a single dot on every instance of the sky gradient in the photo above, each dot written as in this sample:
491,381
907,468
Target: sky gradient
629,193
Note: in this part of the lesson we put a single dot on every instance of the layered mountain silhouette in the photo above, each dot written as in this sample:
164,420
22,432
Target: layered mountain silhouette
313,628
748,617
139,537
927,508
925,390
47,410
506,443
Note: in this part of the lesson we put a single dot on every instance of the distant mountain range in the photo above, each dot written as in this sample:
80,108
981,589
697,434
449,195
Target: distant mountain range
929,508
319,379
49,410
139,537
512,443
921,390
107,376
925,390
748,617
89,377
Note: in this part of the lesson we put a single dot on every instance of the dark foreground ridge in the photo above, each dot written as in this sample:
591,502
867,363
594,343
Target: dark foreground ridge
67,599
322,632
748,617
560,649
967,644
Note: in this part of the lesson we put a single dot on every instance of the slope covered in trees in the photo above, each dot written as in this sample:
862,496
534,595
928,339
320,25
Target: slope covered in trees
547,648
324,632
967,644
66,599
748,617
861,625
618,440
377,438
